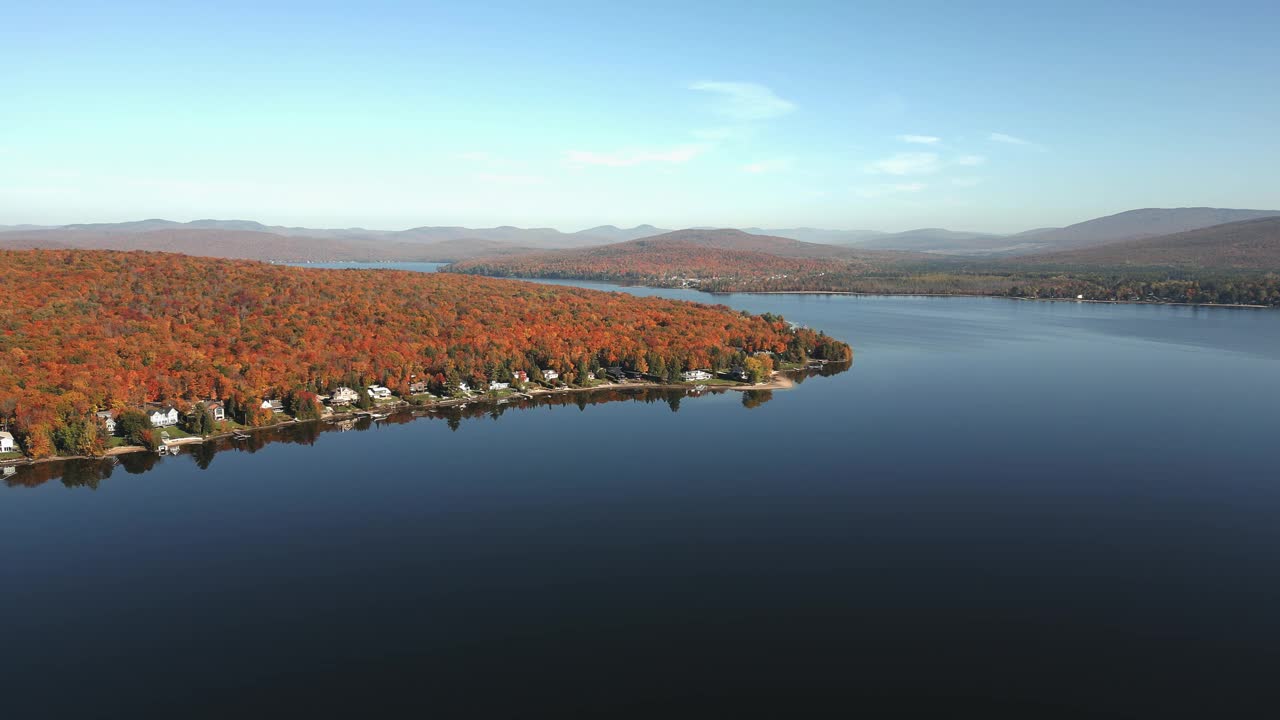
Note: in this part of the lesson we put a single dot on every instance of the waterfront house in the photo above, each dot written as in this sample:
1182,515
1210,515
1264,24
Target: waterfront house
378,392
550,375
495,385
521,376
6,443
217,408
274,406
108,420
418,387
344,396
614,373
695,375
163,416
738,372
462,386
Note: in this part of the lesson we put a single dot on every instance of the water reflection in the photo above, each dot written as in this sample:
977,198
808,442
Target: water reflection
89,473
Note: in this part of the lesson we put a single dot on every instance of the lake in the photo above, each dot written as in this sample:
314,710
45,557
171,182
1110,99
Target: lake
1022,509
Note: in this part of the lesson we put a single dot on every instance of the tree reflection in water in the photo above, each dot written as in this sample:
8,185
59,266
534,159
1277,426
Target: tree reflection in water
89,473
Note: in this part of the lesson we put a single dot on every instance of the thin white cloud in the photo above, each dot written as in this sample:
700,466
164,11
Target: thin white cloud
1009,139
920,139
1014,140
632,157
744,101
913,163
874,191
970,160
762,167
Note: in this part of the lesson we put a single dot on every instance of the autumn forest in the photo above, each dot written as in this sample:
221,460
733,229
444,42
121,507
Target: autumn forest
84,331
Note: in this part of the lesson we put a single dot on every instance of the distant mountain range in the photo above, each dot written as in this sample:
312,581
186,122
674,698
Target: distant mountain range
1133,224
1243,245
253,240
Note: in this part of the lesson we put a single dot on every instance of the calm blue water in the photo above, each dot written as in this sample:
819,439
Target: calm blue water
1024,509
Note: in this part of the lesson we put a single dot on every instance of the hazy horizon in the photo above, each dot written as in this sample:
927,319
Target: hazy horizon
815,115
571,230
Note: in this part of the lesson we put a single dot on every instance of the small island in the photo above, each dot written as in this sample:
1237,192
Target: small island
107,352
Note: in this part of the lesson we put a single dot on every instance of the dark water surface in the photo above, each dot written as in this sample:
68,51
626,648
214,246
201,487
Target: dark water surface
1023,509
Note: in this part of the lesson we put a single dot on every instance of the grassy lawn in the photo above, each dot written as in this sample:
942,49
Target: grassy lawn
11,456
787,365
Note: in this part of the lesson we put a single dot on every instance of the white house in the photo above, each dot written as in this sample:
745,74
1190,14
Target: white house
274,406
6,443
344,396
464,387
692,375
550,375
495,385
378,392
163,416
108,421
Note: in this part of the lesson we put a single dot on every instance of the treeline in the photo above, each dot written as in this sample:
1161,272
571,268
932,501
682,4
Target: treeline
673,265
650,262
83,331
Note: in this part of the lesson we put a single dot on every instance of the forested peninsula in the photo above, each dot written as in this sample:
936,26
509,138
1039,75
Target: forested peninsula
92,338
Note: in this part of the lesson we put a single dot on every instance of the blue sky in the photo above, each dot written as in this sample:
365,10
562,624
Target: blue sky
983,116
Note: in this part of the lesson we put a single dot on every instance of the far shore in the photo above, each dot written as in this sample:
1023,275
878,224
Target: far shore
1238,306
977,295
779,381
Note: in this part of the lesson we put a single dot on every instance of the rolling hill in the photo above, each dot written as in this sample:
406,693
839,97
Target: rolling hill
1247,245
661,259
732,239
1134,224
252,245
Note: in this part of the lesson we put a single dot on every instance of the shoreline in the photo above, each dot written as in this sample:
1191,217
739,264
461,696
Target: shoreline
858,293
1237,306
779,381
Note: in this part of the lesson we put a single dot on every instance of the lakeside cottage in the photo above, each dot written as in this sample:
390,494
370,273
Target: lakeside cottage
550,375
6,443
217,408
614,373
163,416
495,385
521,376
344,396
274,406
108,420
378,392
695,375
464,387
418,387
